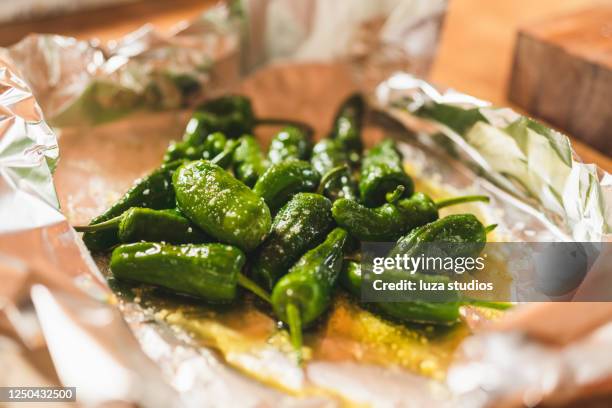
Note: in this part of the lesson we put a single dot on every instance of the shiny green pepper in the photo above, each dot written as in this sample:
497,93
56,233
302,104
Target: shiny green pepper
208,271
392,220
457,235
290,143
445,310
232,115
418,311
347,125
153,191
248,161
145,224
300,225
327,154
282,181
209,147
221,205
304,293
381,173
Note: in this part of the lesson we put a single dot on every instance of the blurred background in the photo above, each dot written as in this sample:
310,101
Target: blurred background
477,54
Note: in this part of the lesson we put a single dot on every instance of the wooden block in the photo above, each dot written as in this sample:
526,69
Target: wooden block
562,73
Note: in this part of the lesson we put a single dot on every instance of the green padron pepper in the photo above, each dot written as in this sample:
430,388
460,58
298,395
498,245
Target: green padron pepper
282,181
304,293
444,310
290,143
210,146
440,312
208,271
457,235
394,219
230,116
145,224
153,191
248,161
347,125
300,225
381,173
327,154
221,205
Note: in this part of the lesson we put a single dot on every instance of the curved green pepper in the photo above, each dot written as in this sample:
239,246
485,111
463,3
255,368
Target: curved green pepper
459,235
231,114
281,181
145,224
392,220
209,271
248,161
346,129
221,205
300,225
304,293
289,143
381,173
153,191
327,154
444,311
411,312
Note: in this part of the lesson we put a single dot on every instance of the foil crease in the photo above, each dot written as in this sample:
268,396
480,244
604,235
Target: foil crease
526,159
84,82
81,83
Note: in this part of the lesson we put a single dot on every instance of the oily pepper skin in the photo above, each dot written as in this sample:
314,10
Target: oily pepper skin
248,161
381,173
170,226
300,225
444,313
153,191
327,154
304,293
221,205
387,222
457,235
394,219
282,181
290,143
145,224
208,271
347,125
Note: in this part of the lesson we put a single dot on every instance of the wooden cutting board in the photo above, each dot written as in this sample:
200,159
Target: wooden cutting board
562,73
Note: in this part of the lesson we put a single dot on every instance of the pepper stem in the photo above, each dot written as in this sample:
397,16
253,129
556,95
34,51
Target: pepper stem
490,228
488,304
460,200
253,287
226,153
287,122
102,226
295,329
329,176
395,195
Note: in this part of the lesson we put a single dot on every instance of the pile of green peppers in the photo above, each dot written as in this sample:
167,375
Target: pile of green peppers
220,213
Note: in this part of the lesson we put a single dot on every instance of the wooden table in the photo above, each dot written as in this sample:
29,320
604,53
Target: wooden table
475,53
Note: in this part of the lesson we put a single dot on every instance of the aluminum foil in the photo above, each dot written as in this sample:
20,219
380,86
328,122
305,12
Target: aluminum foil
526,159
51,275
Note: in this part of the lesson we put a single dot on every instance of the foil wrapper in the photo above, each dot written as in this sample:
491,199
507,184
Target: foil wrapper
114,348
